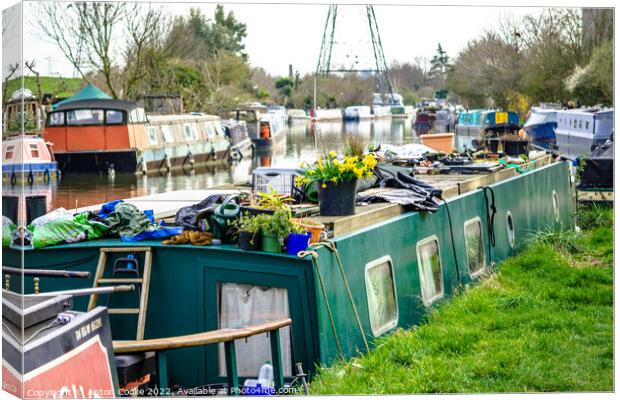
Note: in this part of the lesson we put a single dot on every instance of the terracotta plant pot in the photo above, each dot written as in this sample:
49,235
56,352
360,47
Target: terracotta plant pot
337,198
315,228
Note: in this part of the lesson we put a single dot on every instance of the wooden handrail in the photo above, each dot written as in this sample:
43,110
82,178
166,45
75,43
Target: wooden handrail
197,339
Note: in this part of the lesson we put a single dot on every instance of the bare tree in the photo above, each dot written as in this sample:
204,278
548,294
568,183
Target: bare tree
90,34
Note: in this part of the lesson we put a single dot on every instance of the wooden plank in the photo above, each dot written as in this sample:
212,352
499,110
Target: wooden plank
592,196
124,249
276,360
231,368
123,310
197,339
120,280
485,180
92,301
364,216
144,294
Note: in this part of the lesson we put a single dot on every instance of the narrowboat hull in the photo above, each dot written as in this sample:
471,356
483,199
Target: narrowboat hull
30,173
134,161
187,281
74,361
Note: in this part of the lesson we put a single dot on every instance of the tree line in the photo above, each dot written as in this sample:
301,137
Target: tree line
135,49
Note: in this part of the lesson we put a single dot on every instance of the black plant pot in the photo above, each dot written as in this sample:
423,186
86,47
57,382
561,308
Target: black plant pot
515,148
493,145
255,211
337,198
250,240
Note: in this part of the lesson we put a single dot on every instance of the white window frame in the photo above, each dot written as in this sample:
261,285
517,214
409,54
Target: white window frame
34,147
192,133
514,229
210,129
375,263
484,263
428,302
149,130
555,205
167,134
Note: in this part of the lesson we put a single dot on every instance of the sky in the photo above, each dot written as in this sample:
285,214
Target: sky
283,34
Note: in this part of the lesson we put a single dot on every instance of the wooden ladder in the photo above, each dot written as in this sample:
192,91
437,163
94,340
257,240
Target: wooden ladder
144,282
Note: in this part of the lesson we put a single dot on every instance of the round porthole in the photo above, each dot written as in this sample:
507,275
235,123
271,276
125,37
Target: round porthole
556,207
510,228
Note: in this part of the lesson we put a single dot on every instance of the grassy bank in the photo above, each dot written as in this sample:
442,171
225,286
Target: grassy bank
544,322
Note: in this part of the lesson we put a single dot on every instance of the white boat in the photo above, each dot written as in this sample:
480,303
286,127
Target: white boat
326,114
27,158
357,113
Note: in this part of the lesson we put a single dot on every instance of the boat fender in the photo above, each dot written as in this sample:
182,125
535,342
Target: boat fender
30,177
111,171
143,166
165,162
213,154
190,158
47,177
13,178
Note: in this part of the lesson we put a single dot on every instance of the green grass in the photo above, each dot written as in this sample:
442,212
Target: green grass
543,323
61,87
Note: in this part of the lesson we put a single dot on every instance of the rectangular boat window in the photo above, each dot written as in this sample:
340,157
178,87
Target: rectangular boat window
210,129
167,133
85,117
113,117
9,152
241,305
474,246
57,119
574,124
218,129
151,132
188,130
587,125
580,124
137,116
429,267
381,295
34,150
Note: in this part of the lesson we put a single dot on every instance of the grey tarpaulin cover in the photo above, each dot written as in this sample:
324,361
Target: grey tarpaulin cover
409,192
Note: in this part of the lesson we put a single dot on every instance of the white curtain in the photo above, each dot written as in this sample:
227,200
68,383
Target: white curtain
246,305
428,284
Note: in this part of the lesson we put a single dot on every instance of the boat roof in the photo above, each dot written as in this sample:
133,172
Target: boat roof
103,104
182,117
89,92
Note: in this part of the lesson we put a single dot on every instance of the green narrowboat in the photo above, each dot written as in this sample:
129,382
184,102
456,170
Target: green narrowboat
383,269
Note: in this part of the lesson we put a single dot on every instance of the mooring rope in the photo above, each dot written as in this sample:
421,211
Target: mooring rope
315,256
490,219
331,246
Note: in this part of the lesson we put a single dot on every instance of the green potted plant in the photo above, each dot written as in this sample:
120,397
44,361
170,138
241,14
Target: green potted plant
336,180
247,228
275,228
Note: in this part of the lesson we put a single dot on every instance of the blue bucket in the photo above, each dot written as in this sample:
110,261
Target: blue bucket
297,242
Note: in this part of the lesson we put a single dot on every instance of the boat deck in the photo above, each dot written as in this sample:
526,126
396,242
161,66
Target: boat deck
165,205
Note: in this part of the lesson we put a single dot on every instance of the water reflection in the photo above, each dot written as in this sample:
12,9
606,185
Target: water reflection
303,142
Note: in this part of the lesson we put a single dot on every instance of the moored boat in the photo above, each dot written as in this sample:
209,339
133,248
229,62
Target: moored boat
474,126
326,114
237,133
27,158
297,115
381,111
540,125
580,130
357,113
383,268
104,135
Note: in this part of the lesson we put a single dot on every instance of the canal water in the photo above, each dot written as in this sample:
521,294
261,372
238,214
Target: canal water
302,142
